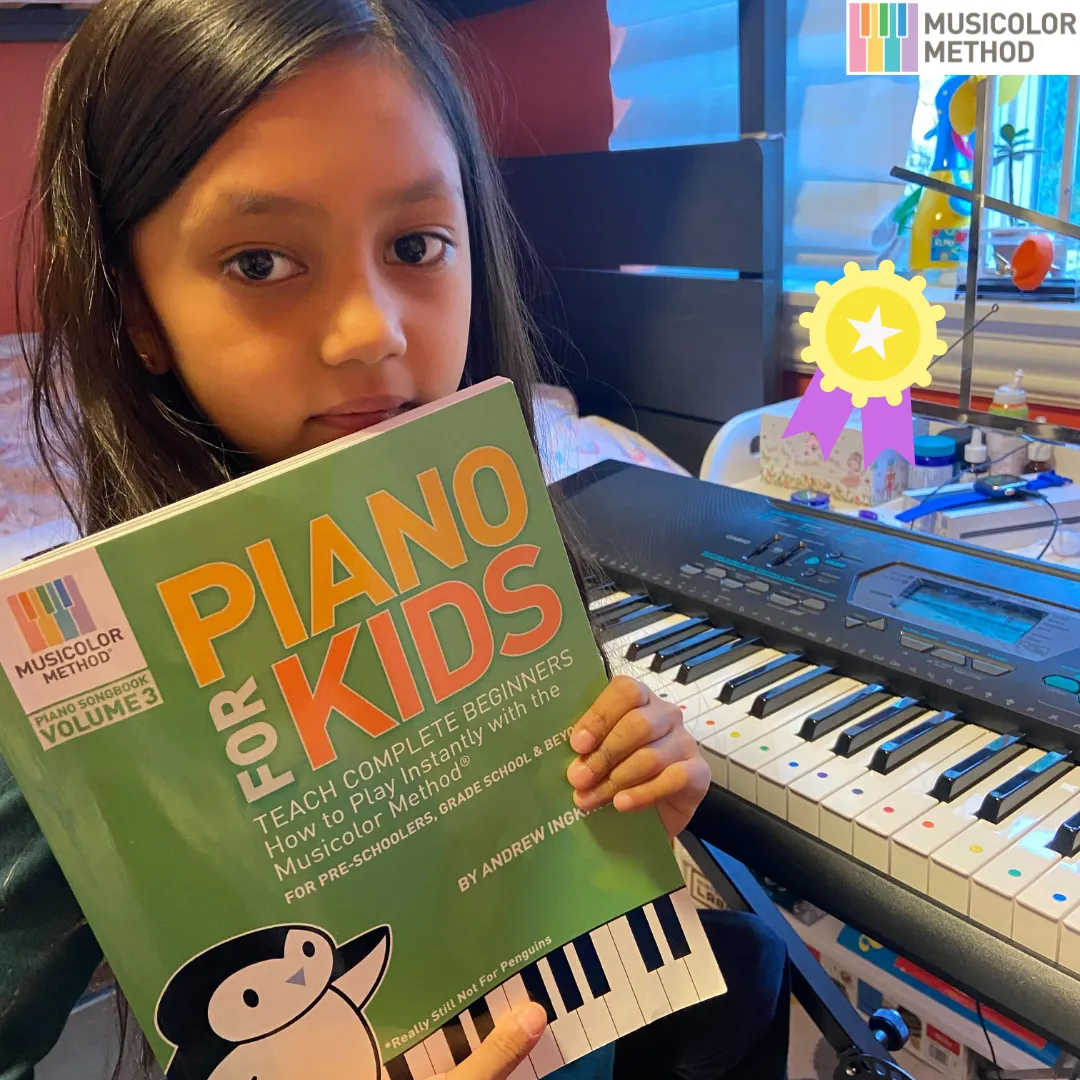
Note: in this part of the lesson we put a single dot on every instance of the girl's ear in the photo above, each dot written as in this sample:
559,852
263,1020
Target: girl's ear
142,327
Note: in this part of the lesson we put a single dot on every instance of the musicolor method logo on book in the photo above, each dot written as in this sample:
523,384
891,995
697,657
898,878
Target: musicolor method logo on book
883,39
69,652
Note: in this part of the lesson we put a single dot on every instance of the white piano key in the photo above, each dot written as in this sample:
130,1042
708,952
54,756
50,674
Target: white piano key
438,1051
647,987
419,1063
775,778
995,886
810,790
912,846
701,963
875,828
608,598
566,1027
470,1031
593,1014
1043,906
1069,945
499,1005
674,975
546,1056
840,810
621,1002
955,863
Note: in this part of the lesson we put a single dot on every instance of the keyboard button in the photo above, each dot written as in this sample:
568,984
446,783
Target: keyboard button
914,643
851,621
876,624
988,667
731,583
1063,682
814,604
951,655
843,711
758,586
690,569
717,572
780,600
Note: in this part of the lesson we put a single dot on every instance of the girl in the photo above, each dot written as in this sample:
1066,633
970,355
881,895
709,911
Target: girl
265,224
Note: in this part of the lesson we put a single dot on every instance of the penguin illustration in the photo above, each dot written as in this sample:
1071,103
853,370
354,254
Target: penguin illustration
276,1004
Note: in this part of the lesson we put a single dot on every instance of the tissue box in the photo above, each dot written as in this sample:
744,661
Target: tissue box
797,463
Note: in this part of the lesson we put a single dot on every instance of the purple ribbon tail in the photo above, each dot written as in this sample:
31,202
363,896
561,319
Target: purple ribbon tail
823,414
887,427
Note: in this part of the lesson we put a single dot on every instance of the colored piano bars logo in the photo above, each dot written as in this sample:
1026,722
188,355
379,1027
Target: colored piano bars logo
883,39
51,614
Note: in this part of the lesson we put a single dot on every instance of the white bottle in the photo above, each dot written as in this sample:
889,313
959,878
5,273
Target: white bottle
1008,453
976,456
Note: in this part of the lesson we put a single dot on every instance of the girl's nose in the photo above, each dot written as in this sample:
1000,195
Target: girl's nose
366,327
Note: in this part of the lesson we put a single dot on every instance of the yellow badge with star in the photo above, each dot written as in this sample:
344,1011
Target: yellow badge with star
873,335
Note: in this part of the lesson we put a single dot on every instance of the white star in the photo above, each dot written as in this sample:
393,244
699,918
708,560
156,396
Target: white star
872,335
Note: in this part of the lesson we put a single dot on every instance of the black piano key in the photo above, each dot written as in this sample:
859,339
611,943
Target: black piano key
482,1019
602,616
590,964
864,732
956,779
894,753
1067,839
670,635
802,686
647,948
564,980
736,648
839,713
398,1068
634,620
457,1040
673,931
673,655
755,679
1010,796
537,991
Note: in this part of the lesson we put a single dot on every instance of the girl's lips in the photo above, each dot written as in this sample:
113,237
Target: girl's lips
362,413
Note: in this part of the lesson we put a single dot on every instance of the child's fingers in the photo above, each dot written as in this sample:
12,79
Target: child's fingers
681,786
619,696
642,765
638,728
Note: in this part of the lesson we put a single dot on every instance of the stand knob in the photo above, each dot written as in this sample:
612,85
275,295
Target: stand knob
889,1029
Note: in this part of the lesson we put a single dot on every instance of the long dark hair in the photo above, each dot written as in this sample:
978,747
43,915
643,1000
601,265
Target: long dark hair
139,95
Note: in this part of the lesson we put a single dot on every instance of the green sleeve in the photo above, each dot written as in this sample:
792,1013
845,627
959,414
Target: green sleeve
47,951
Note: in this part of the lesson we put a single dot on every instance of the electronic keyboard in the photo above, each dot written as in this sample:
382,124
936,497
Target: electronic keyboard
880,706
603,985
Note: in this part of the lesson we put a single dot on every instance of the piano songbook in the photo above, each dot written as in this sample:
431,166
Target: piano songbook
299,744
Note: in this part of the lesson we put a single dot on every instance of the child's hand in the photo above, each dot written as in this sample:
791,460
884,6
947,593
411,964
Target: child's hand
634,752
514,1038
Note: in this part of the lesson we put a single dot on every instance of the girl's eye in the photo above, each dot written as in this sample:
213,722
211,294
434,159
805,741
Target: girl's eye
261,265
420,249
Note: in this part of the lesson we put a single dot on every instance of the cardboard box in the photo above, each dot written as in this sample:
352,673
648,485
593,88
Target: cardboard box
797,463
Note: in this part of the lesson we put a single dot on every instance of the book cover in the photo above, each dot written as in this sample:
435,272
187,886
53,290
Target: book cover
300,745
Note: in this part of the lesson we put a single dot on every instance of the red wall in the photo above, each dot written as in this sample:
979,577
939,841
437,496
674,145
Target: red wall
540,72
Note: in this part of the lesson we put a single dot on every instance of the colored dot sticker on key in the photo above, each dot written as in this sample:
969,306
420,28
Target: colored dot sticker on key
888,810
927,824
793,764
977,848
735,735
763,748
823,775
1014,872
1060,897
856,791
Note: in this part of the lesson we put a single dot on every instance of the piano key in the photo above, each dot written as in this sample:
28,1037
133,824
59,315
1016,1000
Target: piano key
398,1069
648,989
775,778
671,928
678,629
609,613
842,712
721,652
498,1005
619,648
874,828
1041,909
701,963
537,990
641,617
671,656
1069,945
593,1012
841,809
472,1033
438,1050
802,686
809,791
955,780
620,1000
1003,801
545,1056
566,1027
749,682
953,865
875,727
481,1017
569,991
420,1067
1067,839
674,974
607,600
895,752
995,886
647,947
912,846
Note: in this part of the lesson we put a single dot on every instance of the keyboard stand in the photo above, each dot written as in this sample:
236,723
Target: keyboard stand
863,1050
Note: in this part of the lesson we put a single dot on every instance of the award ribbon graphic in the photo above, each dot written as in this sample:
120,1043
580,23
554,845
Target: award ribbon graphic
872,335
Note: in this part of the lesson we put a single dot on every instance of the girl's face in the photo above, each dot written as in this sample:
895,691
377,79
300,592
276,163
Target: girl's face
311,276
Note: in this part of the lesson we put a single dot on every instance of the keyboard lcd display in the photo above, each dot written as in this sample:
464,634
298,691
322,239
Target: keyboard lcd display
979,613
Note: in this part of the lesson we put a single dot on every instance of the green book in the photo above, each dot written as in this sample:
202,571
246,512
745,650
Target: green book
300,745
